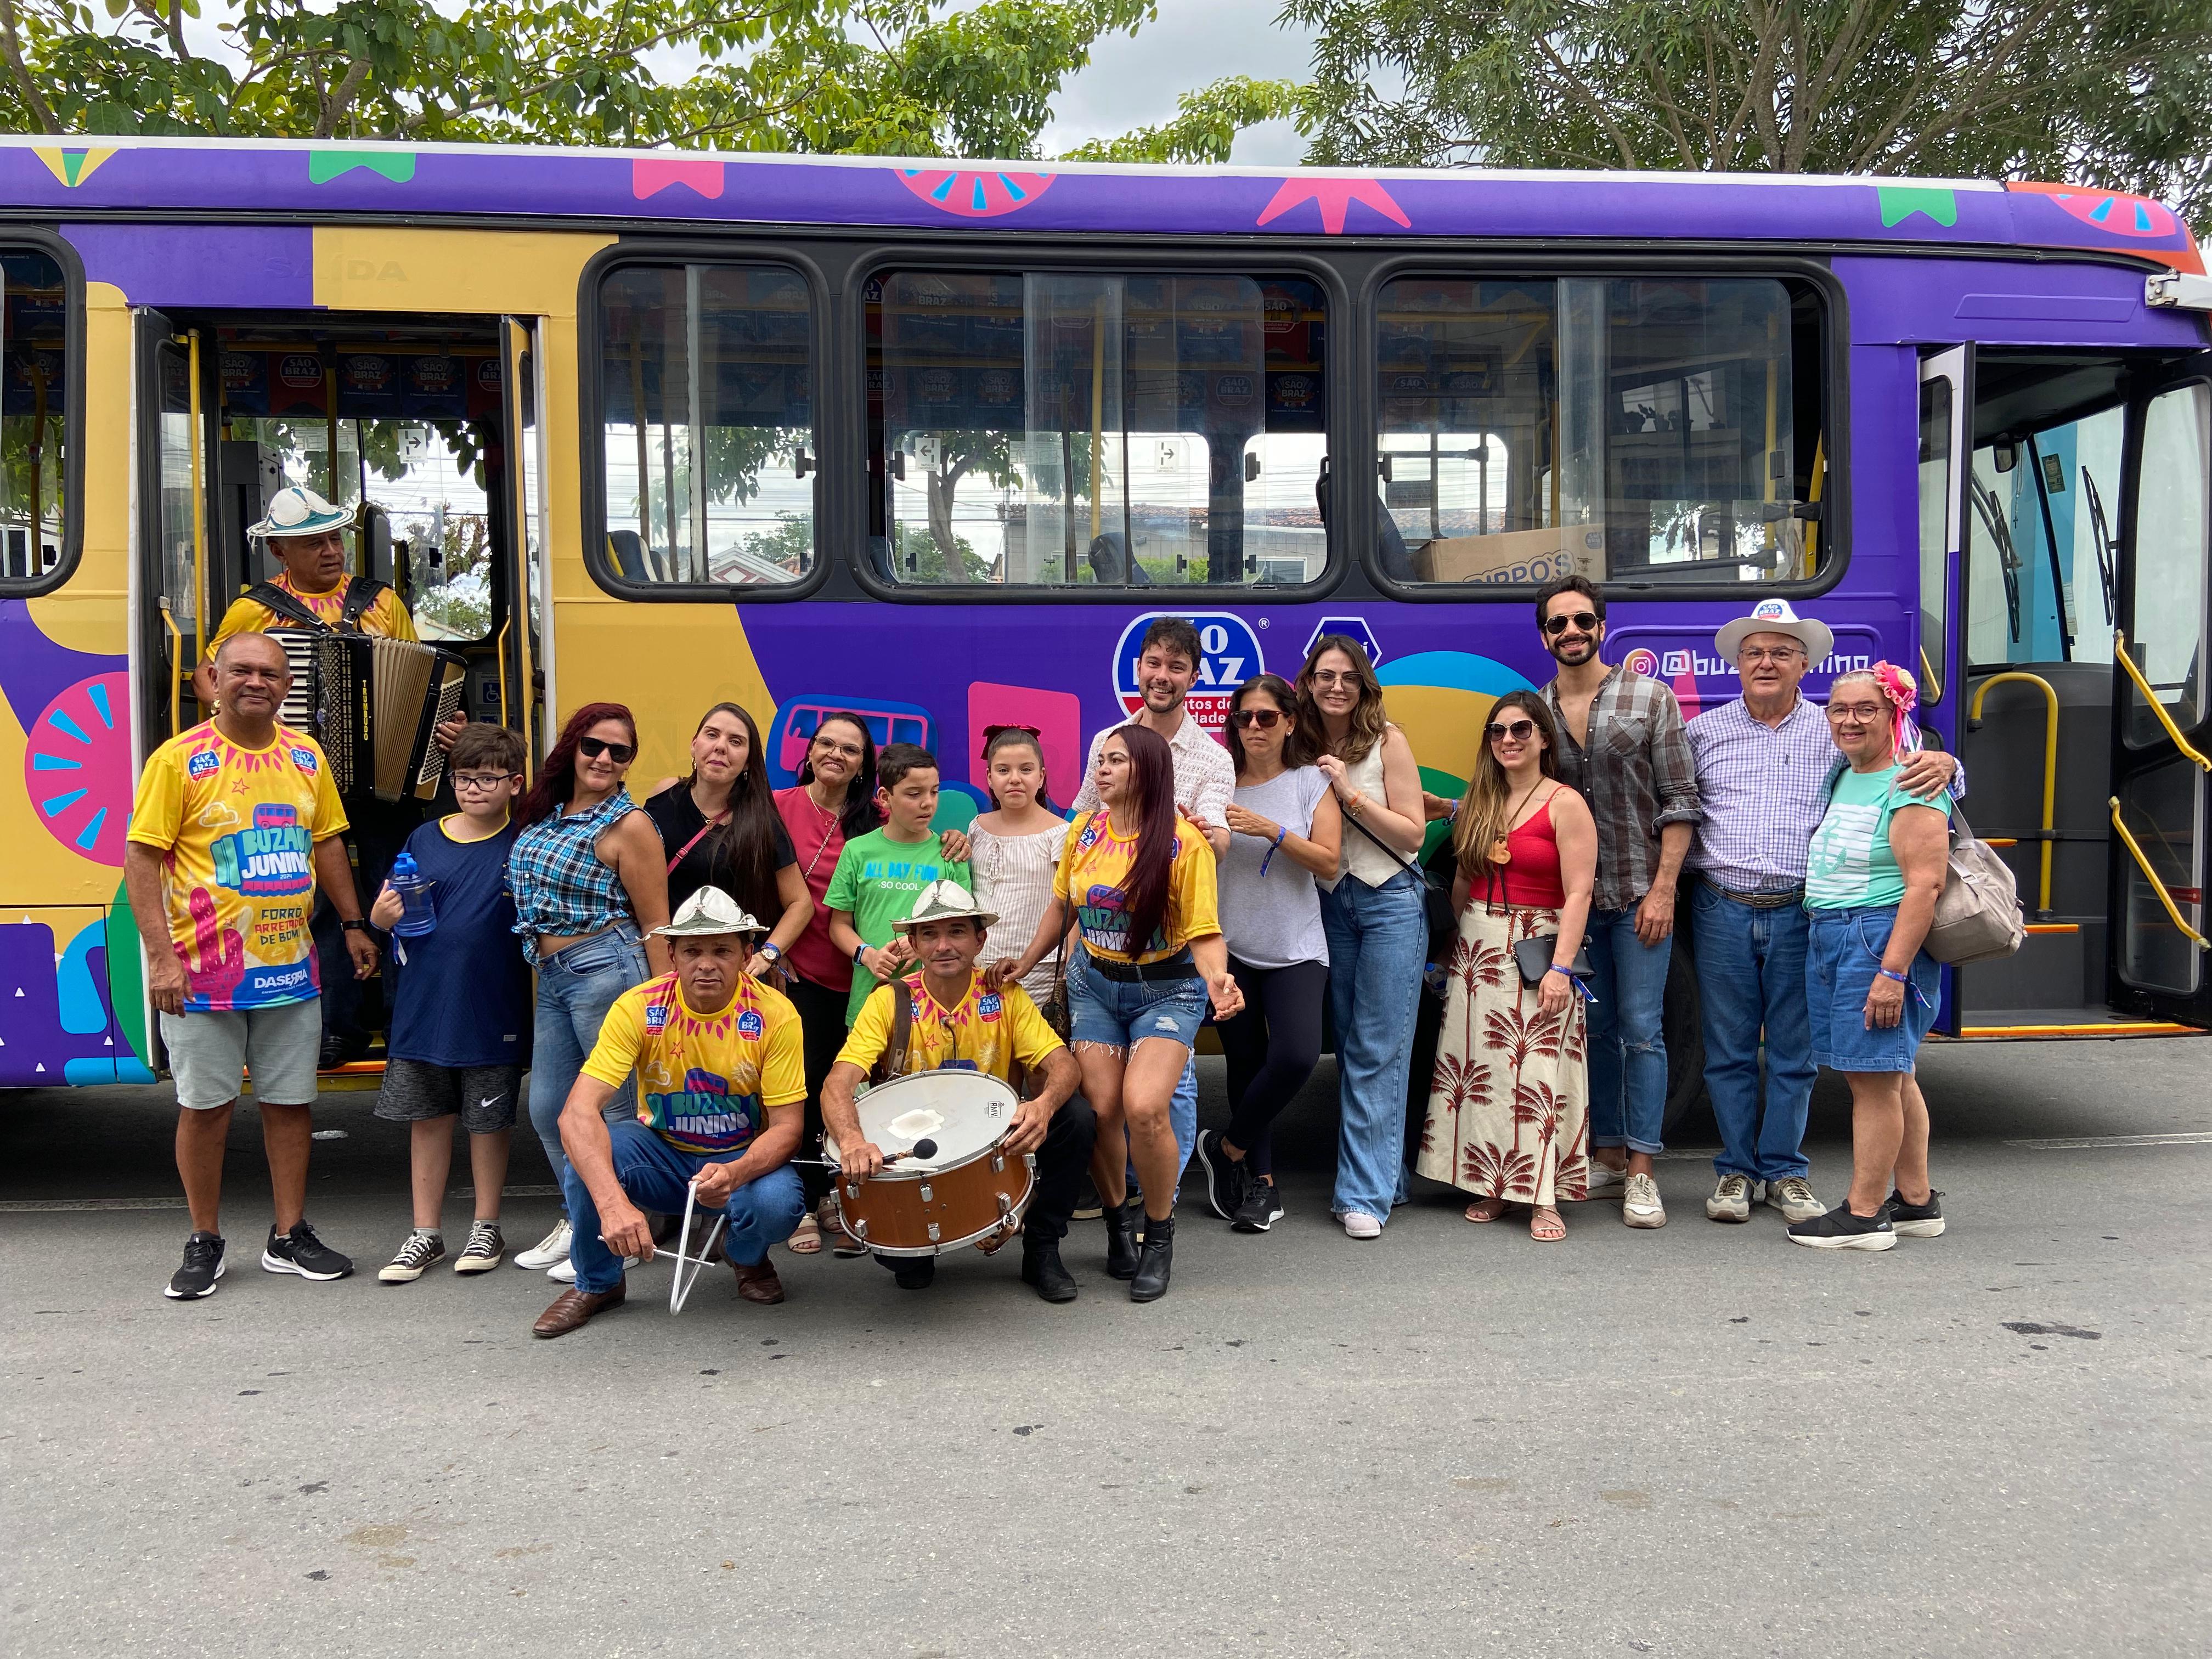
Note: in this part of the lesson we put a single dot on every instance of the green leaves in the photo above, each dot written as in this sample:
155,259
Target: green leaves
1206,123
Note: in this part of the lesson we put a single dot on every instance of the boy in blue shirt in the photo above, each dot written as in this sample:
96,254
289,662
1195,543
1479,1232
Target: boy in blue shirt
459,1033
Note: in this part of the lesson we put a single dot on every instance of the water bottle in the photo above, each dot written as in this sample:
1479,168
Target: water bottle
418,915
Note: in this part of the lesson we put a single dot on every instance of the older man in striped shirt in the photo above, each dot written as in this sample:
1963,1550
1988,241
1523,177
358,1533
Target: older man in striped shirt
1763,766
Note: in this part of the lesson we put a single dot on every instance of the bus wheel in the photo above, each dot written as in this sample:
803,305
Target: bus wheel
1686,1042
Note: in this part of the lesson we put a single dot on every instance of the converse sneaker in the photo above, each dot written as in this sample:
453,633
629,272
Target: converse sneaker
1262,1206
548,1251
1839,1229
203,1267
416,1258
1226,1181
1604,1178
1731,1200
301,1252
1639,1203
1916,1220
1358,1223
1793,1196
483,1251
563,1272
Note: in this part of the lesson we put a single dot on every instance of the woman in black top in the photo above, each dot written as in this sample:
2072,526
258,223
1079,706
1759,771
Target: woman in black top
719,827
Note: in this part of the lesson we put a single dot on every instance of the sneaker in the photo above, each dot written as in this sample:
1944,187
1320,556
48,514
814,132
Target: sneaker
1604,1178
203,1267
1261,1209
483,1251
563,1272
1793,1196
1731,1200
1839,1229
301,1252
1089,1206
1225,1181
415,1259
547,1251
1358,1223
1916,1220
1639,1203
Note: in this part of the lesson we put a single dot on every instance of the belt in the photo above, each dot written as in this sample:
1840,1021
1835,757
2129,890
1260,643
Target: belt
1143,973
1759,900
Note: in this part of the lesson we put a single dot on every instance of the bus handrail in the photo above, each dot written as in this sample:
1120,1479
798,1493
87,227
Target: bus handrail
176,680
2050,762
199,510
1935,681
2120,651
2173,910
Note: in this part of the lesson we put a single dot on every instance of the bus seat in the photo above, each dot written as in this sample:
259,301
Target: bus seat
880,563
629,553
1390,549
1112,566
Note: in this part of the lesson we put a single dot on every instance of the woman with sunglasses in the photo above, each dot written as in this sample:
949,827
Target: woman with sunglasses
590,883
1373,910
1014,850
1509,1109
1283,828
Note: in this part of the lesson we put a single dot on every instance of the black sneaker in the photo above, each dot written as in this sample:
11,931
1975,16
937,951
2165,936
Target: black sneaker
1262,1206
1916,1220
301,1252
203,1267
1839,1229
1089,1206
1225,1181
916,1273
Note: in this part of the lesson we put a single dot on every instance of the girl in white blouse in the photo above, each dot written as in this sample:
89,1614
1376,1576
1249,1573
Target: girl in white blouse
1014,849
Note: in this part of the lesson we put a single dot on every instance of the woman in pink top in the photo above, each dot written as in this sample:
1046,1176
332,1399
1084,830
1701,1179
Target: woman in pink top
1509,1109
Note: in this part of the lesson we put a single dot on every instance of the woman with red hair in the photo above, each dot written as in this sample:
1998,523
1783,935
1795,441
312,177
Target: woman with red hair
590,883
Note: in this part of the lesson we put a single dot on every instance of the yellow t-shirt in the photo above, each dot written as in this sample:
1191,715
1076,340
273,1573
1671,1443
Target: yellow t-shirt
988,1032
386,617
705,1083
240,826
1094,864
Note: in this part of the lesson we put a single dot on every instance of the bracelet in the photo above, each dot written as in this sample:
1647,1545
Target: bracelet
772,951
1902,979
1556,968
859,950
1281,830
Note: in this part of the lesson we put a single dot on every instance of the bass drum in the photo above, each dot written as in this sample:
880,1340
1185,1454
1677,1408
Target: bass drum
965,1191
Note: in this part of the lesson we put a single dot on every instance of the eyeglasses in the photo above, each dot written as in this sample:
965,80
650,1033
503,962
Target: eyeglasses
482,782
1335,677
1854,714
1782,654
1519,731
830,745
1585,620
621,754
1265,719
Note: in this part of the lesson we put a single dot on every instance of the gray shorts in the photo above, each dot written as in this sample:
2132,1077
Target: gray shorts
482,1097
210,1053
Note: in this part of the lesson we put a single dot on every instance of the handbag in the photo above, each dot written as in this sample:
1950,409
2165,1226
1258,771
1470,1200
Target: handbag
1532,956
1978,915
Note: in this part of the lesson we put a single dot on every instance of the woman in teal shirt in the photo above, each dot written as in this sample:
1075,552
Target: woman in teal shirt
1875,870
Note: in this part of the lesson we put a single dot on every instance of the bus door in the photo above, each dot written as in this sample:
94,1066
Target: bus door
524,644
2161,737
172,407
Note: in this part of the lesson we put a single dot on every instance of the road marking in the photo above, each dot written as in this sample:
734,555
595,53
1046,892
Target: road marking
2090,1143
34,1205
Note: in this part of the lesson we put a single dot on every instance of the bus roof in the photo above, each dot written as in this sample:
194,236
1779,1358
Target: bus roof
75,177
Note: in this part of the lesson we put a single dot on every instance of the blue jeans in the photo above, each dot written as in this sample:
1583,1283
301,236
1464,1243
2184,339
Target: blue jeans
1627,1034
655,1175
1844,951
575,988
1379,939
1751,977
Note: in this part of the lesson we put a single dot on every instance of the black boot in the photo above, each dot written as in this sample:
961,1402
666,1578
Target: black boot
1121,1240
1150,1283
1042,1267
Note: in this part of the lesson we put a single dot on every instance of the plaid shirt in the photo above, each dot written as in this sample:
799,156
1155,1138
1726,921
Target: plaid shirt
1636,773
559,883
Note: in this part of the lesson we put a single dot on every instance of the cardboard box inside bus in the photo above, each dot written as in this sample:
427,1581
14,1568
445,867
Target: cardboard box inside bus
1516,556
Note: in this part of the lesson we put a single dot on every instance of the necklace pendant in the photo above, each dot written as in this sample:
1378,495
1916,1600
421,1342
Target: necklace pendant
1501,851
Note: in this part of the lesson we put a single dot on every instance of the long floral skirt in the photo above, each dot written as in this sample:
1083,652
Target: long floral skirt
1509,1106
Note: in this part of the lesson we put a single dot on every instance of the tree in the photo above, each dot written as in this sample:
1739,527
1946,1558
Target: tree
2113,93
1206,123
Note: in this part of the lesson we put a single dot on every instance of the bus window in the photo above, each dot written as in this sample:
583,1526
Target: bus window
1631,429
706,443
2043,518
34,504
2167,638
1064,430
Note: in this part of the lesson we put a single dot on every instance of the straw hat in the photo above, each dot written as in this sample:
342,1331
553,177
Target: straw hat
296,510
942,901
1775,616
709,910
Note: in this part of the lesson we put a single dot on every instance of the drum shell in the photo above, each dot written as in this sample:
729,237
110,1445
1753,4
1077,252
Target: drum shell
892,1212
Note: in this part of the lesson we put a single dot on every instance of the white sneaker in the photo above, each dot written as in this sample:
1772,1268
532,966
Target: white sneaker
1731,1200
547,1251
1604,1178
564,1272
1358,1223
1639,1203
1793,1196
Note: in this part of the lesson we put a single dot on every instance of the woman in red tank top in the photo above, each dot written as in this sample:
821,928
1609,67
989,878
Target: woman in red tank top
1509,1106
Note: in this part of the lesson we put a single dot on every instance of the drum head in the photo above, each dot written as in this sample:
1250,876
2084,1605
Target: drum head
966,1113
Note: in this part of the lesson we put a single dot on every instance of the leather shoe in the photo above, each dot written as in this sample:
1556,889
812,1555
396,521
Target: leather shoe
572,1308
758,1282
1120,1240
914,1272
1150,1283
1042,1268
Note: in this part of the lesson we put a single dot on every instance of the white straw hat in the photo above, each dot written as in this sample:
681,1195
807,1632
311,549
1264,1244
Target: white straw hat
943,901
710,910
1775,616
296,510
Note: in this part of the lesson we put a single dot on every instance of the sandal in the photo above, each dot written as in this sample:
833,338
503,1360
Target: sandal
1545,1224
1485,1209
806,1237
842,1245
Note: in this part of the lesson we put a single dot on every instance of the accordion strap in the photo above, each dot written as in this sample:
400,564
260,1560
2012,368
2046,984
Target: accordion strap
362,595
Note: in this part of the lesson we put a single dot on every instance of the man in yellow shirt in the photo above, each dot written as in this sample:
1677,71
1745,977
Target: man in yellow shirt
956,1022
721,1085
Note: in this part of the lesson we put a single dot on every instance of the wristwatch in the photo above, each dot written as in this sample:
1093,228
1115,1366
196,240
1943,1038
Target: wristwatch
358,924
773,952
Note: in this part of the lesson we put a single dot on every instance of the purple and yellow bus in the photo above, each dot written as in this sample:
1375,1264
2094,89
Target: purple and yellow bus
932,441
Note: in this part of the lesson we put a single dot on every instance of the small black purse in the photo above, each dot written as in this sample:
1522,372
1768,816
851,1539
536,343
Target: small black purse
1533,955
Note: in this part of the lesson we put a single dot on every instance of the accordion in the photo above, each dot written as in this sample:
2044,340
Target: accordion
372,704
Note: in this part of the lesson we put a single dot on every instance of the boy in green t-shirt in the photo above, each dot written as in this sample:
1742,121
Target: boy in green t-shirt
879,875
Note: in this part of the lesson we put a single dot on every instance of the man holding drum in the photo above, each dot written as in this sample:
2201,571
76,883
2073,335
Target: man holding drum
956,1023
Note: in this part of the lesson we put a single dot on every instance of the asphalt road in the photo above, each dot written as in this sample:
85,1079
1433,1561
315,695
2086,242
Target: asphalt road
1693,1441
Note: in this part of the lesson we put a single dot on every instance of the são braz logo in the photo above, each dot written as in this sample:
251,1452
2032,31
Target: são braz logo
1229,656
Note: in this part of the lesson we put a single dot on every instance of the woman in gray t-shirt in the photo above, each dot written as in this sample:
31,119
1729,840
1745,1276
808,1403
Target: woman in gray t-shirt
1284,831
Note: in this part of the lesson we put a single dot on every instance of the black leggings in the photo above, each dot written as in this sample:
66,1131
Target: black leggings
1272,1048
822,1023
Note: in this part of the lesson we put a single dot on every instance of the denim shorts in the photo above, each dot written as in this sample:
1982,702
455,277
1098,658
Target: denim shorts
1843,954
1120,1014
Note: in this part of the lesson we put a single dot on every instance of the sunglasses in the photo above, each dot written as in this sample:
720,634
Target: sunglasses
621,753
1519,731
1265,719
1584,620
